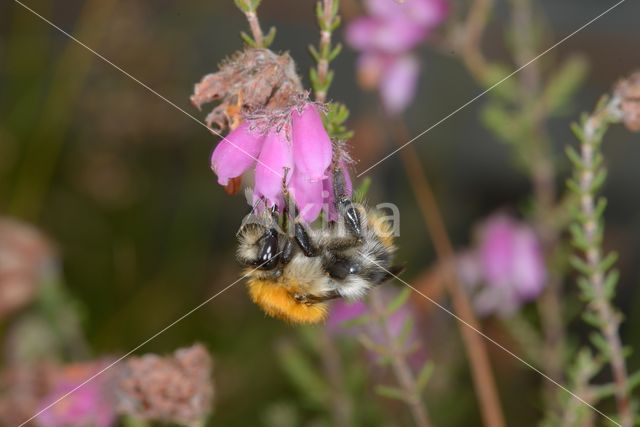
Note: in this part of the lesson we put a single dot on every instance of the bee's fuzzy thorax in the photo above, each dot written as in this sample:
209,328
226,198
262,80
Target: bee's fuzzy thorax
276,300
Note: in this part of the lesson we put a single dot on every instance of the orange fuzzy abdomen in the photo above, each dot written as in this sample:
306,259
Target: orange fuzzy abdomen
276,299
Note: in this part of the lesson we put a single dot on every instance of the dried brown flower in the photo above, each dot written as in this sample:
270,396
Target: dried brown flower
176,389
628,90
24,253
251,80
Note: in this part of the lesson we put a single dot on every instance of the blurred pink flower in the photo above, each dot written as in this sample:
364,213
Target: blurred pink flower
86,406
506,268
343,314
292,142
386,37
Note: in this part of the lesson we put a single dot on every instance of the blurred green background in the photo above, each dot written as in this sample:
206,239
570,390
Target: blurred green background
120,180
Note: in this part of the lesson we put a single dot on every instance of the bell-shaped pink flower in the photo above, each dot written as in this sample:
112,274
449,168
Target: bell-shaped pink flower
385,37
425,12
398,85
312,146
274,159
506,268
511,256
307,194
236,153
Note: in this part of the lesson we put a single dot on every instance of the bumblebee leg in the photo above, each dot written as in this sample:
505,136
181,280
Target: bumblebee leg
345,206
268,255
304,241
309,299
287,252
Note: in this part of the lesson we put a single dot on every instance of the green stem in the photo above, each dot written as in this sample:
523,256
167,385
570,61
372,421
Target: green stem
328,21
45,145
401,369
598,282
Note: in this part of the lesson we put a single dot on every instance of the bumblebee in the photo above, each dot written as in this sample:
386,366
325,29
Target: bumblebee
293,271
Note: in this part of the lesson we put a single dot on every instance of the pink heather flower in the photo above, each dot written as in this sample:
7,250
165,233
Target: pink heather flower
312,147
398,85
236,153
386,37
86,406
308,194
506,268
292,141
424,12
341,313
344,312
275,158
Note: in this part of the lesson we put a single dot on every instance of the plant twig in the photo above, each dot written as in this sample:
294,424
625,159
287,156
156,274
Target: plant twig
341,404
328,21
543,177
474,26
401,369
481,372
258,39
598,281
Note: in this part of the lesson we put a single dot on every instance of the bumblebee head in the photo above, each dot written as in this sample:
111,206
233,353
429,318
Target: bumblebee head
278,301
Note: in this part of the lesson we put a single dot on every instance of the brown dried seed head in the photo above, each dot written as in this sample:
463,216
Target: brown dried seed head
24,255
175,389
251,80
628,91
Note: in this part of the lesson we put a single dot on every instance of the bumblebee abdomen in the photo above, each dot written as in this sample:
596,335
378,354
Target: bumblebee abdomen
276,299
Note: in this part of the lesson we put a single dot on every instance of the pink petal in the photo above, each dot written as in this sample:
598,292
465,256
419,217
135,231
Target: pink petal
312,146
308,196
236,153
496,246
387,9
529,272
274,158
387,36
359,31
424,12
429,12
398,86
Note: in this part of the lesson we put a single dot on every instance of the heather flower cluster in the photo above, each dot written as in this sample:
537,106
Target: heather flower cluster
386,38
278,140
354,319
505,268
174,389
291,154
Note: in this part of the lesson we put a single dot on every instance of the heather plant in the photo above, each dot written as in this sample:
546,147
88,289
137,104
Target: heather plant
514,311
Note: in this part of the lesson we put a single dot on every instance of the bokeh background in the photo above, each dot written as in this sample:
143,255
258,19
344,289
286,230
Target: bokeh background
120,180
